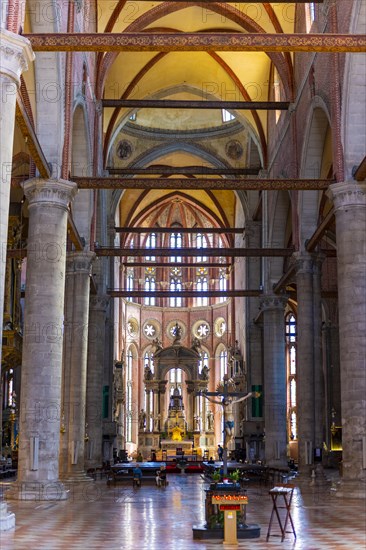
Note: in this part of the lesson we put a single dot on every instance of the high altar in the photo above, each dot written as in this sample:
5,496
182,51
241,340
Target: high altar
179,422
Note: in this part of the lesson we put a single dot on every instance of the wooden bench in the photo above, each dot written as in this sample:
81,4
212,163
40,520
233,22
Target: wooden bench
124,475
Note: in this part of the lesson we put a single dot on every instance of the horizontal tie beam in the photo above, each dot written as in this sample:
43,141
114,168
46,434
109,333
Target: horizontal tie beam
199,252
202,104
190,42
184,293
194,230
157,170
194,252
208,184
206,264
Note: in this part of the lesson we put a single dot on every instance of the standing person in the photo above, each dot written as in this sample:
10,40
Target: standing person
220,451
137,475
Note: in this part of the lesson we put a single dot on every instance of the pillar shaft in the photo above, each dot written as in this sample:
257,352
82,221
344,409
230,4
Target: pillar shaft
350,211
39,426
305,360
78,267
94,386
274,380
15,55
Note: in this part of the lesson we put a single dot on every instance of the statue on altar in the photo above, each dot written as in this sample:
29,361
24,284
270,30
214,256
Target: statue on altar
176,425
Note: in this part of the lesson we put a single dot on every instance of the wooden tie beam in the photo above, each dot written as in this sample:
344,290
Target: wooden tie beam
202,170
249,184
194,230
194,252
181,265
184,293
194,104
190,42
199,252
31,139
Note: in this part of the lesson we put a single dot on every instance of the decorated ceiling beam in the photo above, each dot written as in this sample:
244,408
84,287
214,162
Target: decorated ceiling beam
195,104
199,252
206,264
207,230
180,42
166,170
183,293
203,183
30,137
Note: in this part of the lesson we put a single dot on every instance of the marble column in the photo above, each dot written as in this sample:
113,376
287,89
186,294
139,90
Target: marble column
305,393
274,360
72,440
94,384
15,56
40,406
350,212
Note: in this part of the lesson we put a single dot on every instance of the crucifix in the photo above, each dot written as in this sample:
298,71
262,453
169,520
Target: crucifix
227,401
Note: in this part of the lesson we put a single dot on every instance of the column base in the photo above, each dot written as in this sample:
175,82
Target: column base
7,519
76,477
351,488
37,490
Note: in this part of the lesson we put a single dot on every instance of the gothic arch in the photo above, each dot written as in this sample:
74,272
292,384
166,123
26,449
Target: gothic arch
81,166
311,166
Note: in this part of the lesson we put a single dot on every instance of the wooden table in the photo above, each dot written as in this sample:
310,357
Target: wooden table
285,491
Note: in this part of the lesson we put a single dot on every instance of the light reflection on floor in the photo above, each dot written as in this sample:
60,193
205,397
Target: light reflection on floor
152,518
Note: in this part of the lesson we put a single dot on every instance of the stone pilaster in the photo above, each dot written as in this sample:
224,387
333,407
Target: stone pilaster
94,384
274,360
305,359
15,56
350,212
40,407
72,445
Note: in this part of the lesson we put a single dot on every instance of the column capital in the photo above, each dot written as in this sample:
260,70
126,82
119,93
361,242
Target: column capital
15,54
304,262
57,192
79,262
272,301
99,302
347,194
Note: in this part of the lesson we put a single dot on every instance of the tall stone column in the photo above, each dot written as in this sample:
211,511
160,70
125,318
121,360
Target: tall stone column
40,407
15,55
94,383
319,385
305,358
350,211
274,359
78,265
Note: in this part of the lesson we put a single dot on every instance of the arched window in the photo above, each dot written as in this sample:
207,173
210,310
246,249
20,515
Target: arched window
151,243
203,360
202,286
150,285
175,286
223,363
222,282
129,412
291,355
176,242
129,283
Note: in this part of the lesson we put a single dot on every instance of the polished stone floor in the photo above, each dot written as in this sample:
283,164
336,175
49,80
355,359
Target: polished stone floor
122,518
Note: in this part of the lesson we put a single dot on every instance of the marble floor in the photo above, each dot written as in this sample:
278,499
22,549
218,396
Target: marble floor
99,517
